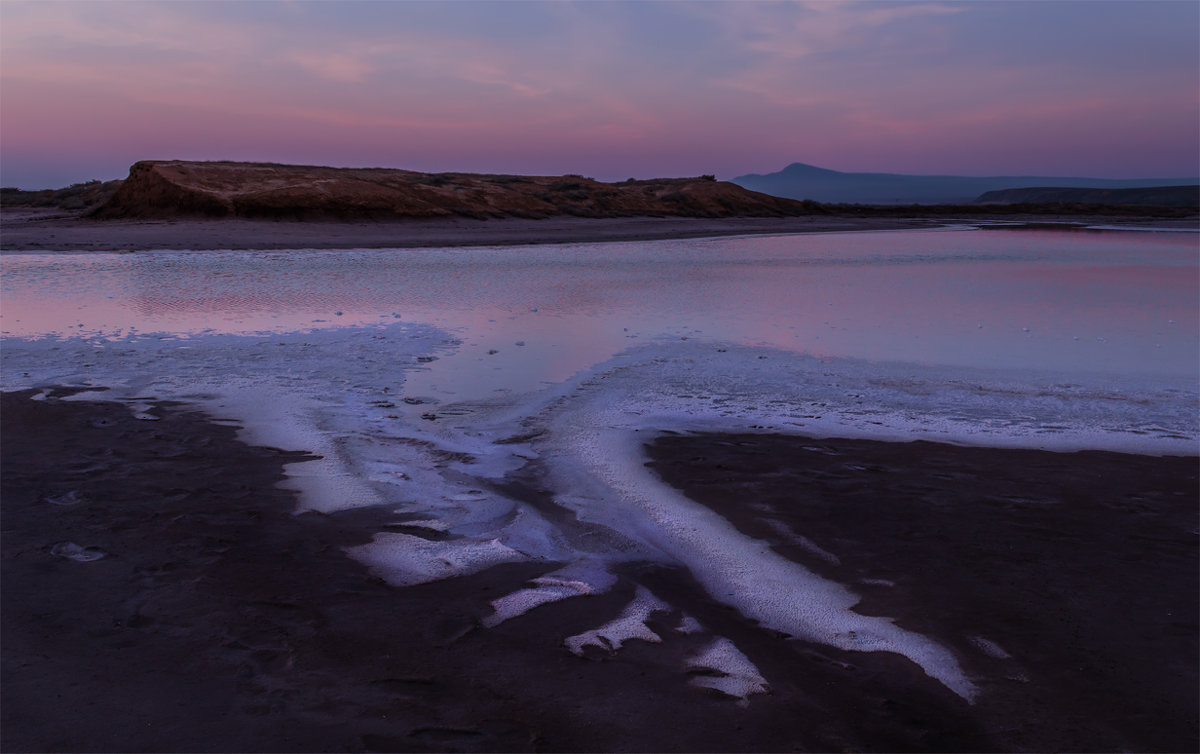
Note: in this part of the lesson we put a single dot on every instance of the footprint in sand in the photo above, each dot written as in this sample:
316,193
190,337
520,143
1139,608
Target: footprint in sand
67,498
72,551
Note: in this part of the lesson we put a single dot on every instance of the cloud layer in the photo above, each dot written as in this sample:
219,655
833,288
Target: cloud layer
611,90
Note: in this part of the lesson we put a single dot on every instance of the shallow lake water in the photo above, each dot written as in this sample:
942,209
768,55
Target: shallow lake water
1076,302
422,375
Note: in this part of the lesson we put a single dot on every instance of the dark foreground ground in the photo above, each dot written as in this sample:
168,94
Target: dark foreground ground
219,621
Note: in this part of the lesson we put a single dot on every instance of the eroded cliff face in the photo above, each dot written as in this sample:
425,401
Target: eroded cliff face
160,189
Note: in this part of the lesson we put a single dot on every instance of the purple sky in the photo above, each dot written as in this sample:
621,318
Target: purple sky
611,90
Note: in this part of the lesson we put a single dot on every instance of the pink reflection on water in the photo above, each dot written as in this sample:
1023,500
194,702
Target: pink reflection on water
1123,302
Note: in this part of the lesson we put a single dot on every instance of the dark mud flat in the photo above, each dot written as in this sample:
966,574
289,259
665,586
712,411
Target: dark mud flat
216,620
1082,568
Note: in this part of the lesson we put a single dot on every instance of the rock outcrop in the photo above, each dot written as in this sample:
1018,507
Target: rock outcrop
163,189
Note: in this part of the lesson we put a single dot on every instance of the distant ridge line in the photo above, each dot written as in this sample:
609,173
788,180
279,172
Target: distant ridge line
801,181
165,189
1152,196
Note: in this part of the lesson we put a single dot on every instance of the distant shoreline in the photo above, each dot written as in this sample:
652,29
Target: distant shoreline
25,230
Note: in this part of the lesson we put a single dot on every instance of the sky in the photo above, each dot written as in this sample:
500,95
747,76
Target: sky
611,90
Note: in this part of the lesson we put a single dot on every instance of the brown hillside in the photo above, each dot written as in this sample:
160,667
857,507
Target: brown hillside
158,189
80,196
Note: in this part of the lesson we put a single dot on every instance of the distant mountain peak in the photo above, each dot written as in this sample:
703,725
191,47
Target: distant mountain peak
802,181
803,169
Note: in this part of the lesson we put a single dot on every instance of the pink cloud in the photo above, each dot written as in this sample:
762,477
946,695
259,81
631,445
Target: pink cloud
610,90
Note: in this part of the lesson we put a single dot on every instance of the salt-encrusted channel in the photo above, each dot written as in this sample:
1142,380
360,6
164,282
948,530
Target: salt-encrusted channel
341,393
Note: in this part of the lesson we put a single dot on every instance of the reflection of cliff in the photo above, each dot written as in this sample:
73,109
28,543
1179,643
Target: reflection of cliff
240,189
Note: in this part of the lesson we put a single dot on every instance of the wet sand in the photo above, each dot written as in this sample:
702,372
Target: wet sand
217,620
43,230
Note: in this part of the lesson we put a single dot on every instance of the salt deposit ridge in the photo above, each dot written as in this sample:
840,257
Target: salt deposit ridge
371,397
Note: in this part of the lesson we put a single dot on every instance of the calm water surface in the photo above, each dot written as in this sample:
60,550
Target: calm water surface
1073,302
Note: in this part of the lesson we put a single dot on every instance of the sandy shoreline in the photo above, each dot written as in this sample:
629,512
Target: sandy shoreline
34,230
218,621
74,234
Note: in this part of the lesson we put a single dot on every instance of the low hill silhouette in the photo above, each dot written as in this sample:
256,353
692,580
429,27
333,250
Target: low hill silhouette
801,181
78,197
160,189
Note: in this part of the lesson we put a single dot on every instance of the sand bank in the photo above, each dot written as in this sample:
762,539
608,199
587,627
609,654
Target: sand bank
29,231
40,230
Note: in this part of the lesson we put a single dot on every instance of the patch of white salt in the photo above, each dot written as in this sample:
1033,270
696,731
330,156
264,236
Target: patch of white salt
405,560
689,625
630,624
722,666
576,579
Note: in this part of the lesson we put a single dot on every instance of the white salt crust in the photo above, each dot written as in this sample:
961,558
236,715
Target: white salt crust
723,667
340,393
630,624
405,560
576,579
689,625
